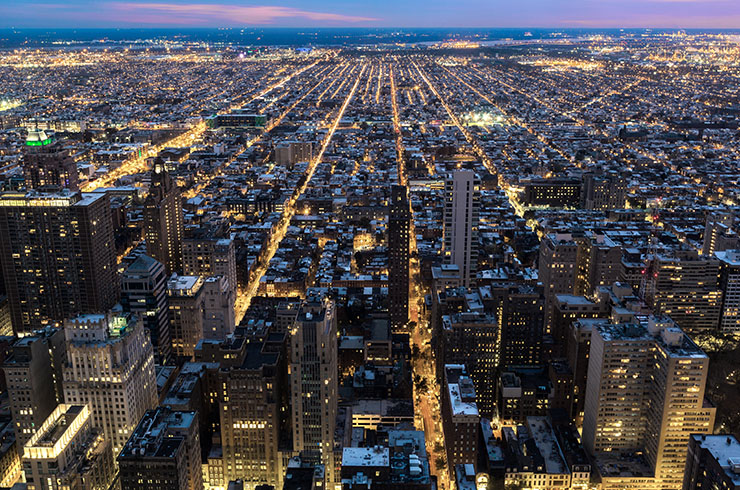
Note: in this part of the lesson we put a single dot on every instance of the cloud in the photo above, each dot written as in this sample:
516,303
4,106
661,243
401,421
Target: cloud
221,14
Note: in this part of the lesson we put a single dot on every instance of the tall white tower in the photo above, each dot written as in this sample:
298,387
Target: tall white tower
462,206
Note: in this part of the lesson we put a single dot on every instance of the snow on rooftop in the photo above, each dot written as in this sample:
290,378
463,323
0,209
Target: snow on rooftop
366,456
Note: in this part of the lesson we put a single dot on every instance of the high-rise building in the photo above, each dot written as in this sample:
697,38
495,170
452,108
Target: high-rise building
252,389
218,308
713,461
58,256
599,261
729,284
719,234
163,453
399,230
520,309
471,339
684,286
33,373
566,309
67,452
313,381
210,257
462,205
558,264
460,417
604,192
47,166
645,392
163,220
289,153
185,300
144,292
110,368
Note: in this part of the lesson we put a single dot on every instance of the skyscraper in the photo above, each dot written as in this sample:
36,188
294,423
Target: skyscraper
110,368
210,257
58,256
163,220
185,300
33,373
67,452
462,203
399,229
719,232
47,166
252,380
645,392
144,292
313,381
218,308
163,452
729,283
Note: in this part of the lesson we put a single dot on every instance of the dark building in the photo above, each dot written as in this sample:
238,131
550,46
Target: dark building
33,372
399,229
523,392
163,453
522,317
554,193
566,309
163,220
713,462
47,166
144,291
58,256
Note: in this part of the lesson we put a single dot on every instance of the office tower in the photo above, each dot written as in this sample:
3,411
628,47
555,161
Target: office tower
289,153
604,192
719,234
558,264
210,257
399,230
218,308
684,286
713,461
144,292
313,381
163,220
67,452
58,256
185,301
110,368
471,339
253,398
645,392
163,453
566,309
729,284
599,261
521,313
460,418
462,205
34,377
47,166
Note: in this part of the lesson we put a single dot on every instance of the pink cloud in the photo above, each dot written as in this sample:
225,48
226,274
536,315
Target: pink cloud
221,14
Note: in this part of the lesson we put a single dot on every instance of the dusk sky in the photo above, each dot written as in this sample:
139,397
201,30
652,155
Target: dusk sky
371,13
